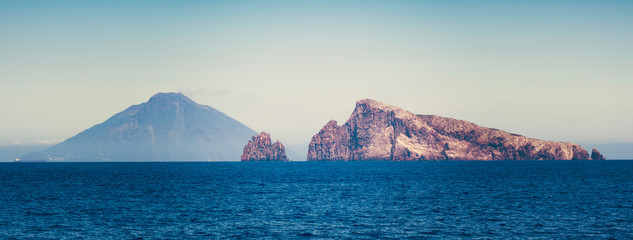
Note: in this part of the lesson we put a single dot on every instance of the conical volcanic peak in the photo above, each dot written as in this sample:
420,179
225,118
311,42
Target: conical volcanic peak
168,127
170,98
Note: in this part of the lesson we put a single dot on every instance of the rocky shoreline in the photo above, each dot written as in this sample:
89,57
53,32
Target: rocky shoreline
377,131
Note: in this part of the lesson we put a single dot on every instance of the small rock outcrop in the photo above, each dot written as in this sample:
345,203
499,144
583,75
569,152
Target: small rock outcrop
261,148
596,155
377,131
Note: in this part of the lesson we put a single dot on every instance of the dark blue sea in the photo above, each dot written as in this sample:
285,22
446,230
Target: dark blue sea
318,200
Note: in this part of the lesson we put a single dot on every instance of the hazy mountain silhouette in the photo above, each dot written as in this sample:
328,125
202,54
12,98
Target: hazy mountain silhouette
9,153
168,127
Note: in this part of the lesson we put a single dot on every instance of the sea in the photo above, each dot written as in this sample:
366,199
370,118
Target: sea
318,200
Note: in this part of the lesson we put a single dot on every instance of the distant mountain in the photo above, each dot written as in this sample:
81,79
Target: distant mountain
377,131
168,127
12,152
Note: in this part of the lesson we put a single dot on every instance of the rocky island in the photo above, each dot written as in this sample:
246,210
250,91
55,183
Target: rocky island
596,155
377,131
168,127
261,148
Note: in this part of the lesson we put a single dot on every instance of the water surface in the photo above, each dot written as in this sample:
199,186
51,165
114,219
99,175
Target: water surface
366,200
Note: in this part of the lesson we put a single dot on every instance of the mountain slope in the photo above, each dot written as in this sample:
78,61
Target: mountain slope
168,127
12,152
377,131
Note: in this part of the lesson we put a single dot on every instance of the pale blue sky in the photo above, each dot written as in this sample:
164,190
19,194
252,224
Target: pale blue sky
555,70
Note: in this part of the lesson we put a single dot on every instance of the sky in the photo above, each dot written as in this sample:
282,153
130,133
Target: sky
554,70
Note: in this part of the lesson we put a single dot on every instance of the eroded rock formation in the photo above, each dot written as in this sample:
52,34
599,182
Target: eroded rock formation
596,155
261,148
377,131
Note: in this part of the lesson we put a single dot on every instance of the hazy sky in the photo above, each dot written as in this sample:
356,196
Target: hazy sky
555,70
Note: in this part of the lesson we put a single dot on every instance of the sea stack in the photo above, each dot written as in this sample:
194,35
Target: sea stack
596,155
377,131
261,148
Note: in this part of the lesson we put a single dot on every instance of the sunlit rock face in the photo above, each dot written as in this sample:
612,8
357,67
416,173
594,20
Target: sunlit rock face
596,155
168,127
377,131
261,148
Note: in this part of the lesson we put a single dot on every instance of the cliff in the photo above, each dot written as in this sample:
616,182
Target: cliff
261,148
377,131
